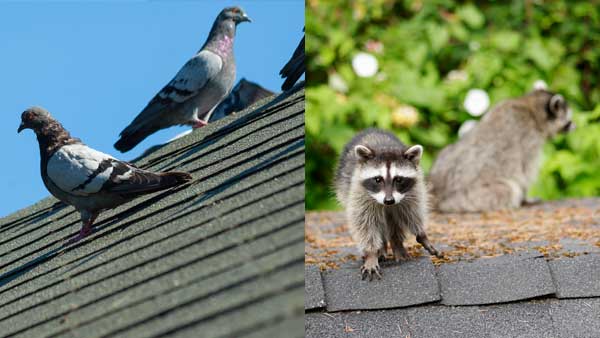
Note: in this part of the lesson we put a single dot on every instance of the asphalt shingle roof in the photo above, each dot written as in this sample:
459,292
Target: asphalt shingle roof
541,288
221,256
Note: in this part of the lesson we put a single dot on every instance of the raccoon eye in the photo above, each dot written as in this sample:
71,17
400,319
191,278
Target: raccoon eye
378,179
403,184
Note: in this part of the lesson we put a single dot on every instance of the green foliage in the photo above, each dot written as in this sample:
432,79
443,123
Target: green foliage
430,53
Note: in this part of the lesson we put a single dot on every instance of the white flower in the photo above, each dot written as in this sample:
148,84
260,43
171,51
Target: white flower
476,102
540,84
364,64
466,127
337,83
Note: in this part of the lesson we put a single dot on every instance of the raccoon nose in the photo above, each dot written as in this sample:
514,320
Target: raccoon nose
388,201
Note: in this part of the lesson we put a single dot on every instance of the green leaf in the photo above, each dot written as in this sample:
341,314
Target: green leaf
471,16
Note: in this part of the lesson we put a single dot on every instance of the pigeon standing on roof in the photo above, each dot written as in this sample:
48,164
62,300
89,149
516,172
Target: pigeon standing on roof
294,68
85,178
190,97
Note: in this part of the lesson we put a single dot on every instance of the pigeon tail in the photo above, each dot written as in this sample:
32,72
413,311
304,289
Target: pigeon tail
292,75
294,68
131,138
173,179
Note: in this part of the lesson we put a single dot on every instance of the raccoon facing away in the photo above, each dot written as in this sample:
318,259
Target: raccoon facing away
381,186
492,166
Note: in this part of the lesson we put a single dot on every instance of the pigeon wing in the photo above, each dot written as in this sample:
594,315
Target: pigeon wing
79,170
82,171
192,77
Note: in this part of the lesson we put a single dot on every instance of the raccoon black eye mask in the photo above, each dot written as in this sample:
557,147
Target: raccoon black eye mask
388,182
400,184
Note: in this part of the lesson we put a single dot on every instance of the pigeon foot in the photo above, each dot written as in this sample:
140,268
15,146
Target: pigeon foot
199,124
85,231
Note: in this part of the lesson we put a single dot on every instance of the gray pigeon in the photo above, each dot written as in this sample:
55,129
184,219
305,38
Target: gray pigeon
198,87
243,95
294,68
85,178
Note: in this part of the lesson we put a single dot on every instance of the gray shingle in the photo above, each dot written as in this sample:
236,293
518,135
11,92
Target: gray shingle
403,284
445,322
577,276
525,320
576,318
494,280
577,246
324,325
314,295
384,323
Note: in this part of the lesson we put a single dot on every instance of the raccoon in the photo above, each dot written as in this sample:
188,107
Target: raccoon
492,166
381,186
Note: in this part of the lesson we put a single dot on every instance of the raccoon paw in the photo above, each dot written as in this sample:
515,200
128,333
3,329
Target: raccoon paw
369,269
401,255
436,253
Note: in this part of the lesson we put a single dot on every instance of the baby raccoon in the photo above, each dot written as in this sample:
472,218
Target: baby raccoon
492,166
380,184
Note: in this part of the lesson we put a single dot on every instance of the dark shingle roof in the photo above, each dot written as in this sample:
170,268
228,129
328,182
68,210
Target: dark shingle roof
526,292
221,256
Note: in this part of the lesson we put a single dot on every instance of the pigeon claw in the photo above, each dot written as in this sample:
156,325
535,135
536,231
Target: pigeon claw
85,231
199,124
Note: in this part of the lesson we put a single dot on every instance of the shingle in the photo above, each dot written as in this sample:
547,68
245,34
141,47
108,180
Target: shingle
381,323
495,280
324,325
403,284
525,319
577,246
314,295
445,321
576,318
577,276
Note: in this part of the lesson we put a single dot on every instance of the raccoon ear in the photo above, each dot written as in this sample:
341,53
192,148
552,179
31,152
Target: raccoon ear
363,152
414,153
556,102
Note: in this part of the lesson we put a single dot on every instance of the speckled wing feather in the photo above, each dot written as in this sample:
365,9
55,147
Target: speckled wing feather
82,171
192,77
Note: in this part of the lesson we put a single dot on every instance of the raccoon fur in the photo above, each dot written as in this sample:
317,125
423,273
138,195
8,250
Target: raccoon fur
492,166
381,186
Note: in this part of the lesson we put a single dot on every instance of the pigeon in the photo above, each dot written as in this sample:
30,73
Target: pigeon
89,180
191,96
294,68
243,95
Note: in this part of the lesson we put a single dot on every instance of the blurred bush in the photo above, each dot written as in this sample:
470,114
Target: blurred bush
429,54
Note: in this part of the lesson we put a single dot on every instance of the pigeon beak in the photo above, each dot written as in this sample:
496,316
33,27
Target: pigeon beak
21,127
245,17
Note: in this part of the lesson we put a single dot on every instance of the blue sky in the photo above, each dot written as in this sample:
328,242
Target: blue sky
95,66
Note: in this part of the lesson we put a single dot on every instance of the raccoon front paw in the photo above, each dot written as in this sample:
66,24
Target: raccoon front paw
401,255
369,269
436,253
